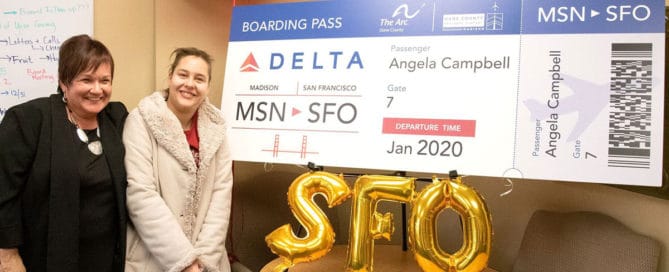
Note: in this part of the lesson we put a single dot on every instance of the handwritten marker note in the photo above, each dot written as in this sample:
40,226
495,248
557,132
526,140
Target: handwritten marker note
31,32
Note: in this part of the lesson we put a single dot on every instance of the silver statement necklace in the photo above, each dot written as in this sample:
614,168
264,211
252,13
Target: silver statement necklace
94,146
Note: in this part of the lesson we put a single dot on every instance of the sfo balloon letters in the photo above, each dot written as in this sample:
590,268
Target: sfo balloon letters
367,224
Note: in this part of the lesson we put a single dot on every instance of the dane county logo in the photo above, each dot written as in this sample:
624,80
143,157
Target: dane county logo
400,18
493,20
301,60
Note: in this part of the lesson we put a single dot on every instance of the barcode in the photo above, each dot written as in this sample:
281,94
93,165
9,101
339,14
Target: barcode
630,105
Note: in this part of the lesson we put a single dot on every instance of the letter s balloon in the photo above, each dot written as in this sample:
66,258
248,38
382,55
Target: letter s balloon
320,235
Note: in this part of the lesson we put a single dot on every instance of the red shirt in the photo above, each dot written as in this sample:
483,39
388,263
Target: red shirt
193,139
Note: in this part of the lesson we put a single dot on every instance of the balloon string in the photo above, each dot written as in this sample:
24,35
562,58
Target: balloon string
302,166
509,183
268,166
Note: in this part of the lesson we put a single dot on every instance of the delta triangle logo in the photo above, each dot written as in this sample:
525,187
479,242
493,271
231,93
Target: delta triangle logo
250,64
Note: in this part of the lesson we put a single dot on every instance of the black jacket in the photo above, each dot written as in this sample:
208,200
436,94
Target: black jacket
39,182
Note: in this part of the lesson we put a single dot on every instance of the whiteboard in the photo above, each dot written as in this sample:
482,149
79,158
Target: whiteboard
31,32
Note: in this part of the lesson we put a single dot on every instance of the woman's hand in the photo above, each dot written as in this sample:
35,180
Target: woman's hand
10,260
194,267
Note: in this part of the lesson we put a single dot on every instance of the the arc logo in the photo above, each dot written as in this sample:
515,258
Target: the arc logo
250,64
404,10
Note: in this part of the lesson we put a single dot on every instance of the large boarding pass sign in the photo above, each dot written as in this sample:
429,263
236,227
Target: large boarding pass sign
560,90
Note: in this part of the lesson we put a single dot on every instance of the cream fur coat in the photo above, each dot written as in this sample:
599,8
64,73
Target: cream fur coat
178,212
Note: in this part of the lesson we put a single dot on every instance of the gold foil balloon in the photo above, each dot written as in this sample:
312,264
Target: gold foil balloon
320,236
366,223
476,227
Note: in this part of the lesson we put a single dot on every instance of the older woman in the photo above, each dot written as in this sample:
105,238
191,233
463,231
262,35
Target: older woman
179,174
62,178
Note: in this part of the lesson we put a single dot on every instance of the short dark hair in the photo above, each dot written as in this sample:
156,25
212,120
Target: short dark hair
182,52
79,54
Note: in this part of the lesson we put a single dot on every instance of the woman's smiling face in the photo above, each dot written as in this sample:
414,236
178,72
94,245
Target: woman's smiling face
188,84
89,92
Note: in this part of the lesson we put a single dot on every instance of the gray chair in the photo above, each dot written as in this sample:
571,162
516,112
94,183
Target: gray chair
584,241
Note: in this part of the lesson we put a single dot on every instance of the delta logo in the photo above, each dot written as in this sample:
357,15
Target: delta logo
331,60
250,64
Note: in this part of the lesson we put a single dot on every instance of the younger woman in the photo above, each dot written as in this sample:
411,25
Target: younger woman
179,174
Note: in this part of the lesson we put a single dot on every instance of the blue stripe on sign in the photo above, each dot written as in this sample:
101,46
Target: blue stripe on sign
380,18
